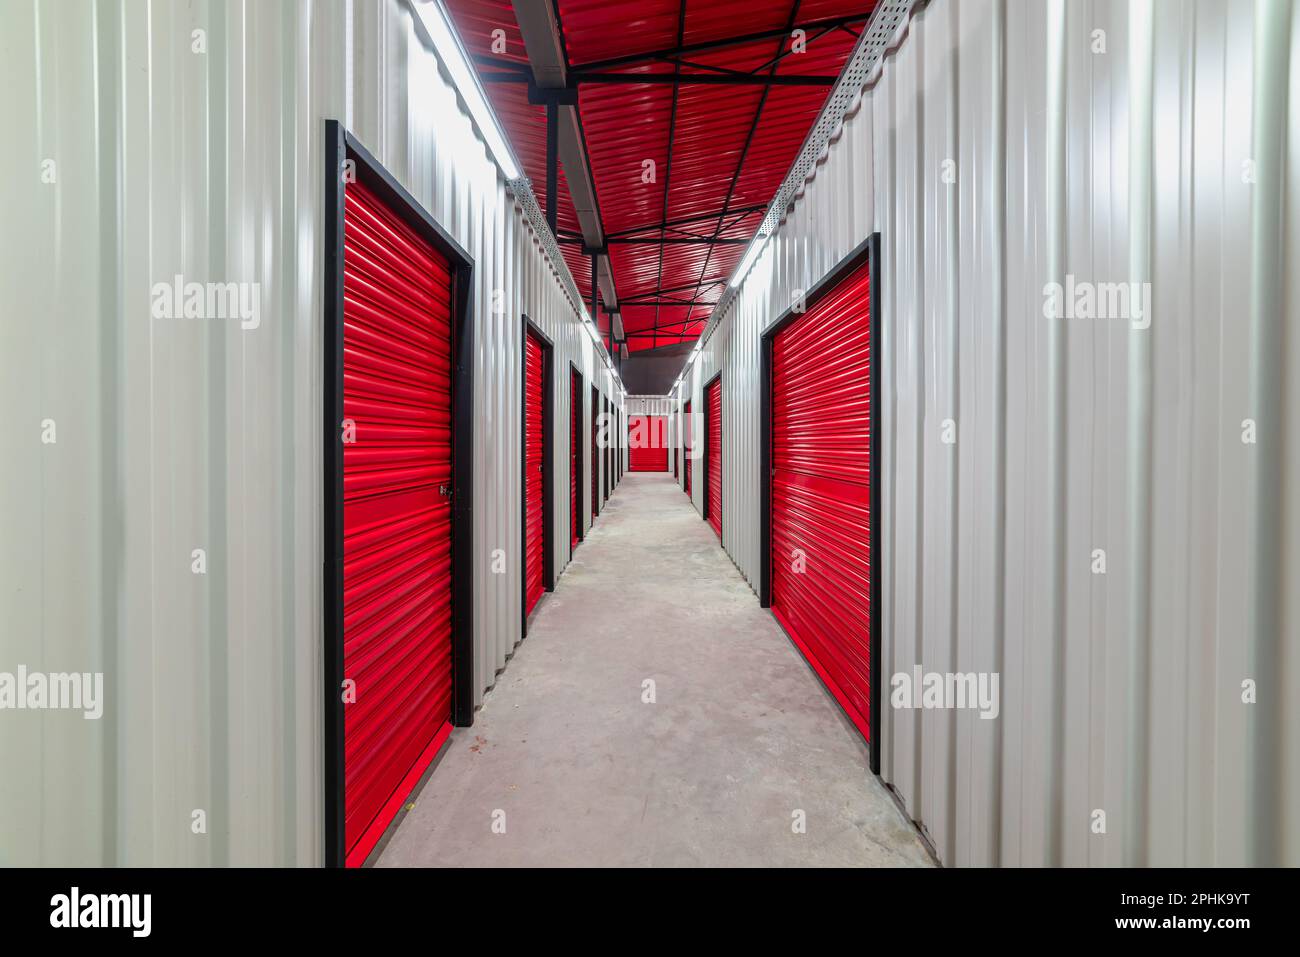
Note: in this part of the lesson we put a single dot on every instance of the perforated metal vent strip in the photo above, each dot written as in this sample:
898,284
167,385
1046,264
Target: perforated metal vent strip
878,39
522,190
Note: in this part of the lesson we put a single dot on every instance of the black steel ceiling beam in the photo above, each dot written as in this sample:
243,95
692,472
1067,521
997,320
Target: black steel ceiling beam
666,329
692,286
685,79
812,39
663,301
690,220
724,43
674,241
668,166
740,163
708,79
651,241
552,164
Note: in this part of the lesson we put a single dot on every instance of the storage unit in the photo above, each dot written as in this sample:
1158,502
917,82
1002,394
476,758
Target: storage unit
648,443
818,473
607,483
713,453
395,605
687,454
536,476
575,459
595,453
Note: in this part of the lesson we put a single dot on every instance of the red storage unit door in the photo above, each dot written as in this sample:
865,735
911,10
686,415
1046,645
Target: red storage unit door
686,445
648,443
595,453
534,466
575,456
821,462
714,441
397,572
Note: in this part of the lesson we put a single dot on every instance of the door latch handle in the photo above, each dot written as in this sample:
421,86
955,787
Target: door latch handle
444,490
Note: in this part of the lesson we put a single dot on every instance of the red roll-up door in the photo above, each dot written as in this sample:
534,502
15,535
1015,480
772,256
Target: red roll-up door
714,404
595,453
534,465
575,458
821,462
397,571
648,443
686,445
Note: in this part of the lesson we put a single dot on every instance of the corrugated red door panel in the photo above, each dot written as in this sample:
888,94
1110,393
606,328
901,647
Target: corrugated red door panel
575,456
595,453
686,444
821,462
714,403
534,465
648,443
397,571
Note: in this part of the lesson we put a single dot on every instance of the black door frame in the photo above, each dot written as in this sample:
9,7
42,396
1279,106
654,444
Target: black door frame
717,377
341,146
575,455
868,251
548,446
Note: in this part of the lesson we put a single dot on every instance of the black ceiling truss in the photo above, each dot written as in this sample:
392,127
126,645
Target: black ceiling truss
654,241
689,220
812,39
668,165
749,139
665,329
670,232
680,49
661,301
694,79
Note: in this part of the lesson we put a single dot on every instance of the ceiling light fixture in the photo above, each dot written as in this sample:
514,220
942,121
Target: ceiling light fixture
751,254
448,47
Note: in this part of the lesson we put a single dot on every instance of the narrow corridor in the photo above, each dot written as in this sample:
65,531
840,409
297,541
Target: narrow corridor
740,736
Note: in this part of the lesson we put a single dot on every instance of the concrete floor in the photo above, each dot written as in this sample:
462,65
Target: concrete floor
741,734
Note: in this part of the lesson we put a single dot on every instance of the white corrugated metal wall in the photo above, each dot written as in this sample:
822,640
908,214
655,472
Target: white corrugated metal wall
172,151
1008,144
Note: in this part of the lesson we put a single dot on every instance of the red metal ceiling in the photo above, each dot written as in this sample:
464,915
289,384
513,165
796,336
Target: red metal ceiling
719,152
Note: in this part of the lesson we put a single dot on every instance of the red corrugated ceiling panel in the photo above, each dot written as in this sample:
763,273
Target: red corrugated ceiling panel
821,463
397,572
647,443
575,456
712,150
534,471
714,402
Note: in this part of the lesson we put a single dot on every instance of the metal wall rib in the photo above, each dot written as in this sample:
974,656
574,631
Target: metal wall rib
175,435
1110,141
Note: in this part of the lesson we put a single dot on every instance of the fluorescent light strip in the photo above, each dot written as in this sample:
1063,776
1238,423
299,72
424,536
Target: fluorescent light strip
751,254
453,56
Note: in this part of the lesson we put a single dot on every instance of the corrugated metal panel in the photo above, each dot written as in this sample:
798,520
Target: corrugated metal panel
180,435
647,405
1120,692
